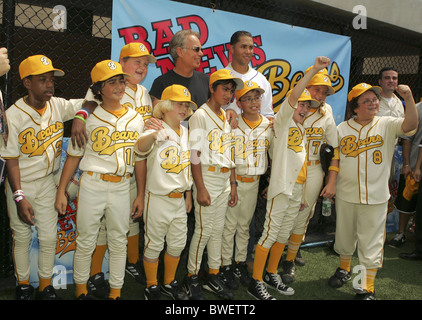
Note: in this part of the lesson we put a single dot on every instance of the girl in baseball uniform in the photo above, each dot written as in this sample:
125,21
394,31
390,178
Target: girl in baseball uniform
320,128
211,142
168,195
32,156
107,162
366,147
253,138
134,59
286,188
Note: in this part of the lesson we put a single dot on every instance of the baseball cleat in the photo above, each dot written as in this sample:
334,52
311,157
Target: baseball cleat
98,286
365,295
288,274
49,293
174,291
274,281
242,273
152,293
135,270
216,285
339,278
192,287
258,290
24,292
228,277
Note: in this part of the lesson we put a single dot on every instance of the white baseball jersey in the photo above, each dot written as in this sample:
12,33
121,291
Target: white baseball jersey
111,140
36,140
251,146
139,100
168,163
365,159
212,136
393,108
319,129
289,152
262,82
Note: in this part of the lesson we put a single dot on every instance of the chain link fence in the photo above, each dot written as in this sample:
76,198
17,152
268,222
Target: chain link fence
76,34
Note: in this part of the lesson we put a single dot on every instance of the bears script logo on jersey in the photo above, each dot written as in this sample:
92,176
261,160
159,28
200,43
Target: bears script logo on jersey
219,142
295,140
173,160
35,144
352,147
106,144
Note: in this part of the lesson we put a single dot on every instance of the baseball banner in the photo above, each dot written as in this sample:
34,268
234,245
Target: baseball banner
282,52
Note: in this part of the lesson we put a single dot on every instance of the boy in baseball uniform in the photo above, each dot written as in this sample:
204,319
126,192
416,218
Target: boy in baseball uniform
286,188
211,141
107,162
168,195
253,137
134,59
320,128
366,146
32,157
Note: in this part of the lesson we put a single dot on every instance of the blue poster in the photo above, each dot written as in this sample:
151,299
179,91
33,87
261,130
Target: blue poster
282,52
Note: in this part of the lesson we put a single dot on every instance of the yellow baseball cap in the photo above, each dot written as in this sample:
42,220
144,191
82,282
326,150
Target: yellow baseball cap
321,79
106,69
136,49
248,86
361,88
177,92
225,74
36,65
306,96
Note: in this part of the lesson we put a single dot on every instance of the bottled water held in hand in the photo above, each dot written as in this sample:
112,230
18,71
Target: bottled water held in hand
326,207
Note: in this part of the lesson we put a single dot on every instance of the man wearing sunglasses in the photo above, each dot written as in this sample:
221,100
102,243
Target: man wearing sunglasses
186,52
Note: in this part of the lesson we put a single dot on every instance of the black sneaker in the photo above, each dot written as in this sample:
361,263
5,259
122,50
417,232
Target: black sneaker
192,287
299,260
98,286
215,284
48,294
258,290
364,295
152,293
274,281
228,277
339,278
135,270
241,272
24,292
174,291
398,240
84,296
288,274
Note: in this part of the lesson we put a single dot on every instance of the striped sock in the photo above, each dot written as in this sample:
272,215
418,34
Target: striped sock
369,280
294,244
345,262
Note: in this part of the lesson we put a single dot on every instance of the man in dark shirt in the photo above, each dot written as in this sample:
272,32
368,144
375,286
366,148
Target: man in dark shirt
186,52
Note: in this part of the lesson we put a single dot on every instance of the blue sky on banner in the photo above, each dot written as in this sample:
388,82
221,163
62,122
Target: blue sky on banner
282,52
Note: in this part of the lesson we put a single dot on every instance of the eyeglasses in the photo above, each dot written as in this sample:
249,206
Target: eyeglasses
196,49
368,101
250,100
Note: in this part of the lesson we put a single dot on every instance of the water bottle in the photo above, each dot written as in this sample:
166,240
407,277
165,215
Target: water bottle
326,207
